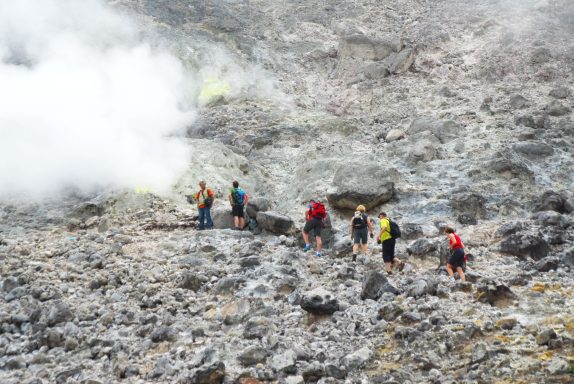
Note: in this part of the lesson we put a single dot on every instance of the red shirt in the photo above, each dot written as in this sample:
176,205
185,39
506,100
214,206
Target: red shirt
457,244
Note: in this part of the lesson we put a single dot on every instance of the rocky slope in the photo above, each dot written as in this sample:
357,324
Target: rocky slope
451,112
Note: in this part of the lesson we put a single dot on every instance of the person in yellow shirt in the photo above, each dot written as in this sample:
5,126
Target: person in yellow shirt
388,244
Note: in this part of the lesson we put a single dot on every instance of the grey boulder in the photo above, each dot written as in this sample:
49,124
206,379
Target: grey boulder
422,286
357,359
253,355
442,130
319,302
560,93
421,247
257,204
373,285
276,223
534,149
494,293
60,312
361,183
525,245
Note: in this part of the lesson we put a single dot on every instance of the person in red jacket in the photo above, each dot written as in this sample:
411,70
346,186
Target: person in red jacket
456,259
315,215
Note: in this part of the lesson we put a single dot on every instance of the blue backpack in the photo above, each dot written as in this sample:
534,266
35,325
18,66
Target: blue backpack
237,195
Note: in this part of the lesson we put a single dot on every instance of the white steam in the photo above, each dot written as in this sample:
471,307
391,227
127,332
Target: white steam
83,102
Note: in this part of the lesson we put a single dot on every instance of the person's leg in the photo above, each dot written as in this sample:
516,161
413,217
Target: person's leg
355,248
389,267
317,226
449,270
201,218
387,256
209,223
236,221
306,231
461,274
242,217
364,238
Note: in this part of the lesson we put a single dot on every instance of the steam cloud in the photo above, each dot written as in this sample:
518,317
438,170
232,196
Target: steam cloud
85,103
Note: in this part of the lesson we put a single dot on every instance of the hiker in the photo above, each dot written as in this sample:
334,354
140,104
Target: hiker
314,216
361,227
388,242
456,259
204,198
238,199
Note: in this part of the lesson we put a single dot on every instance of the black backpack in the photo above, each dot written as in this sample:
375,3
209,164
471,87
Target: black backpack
208,201
360,222
394,229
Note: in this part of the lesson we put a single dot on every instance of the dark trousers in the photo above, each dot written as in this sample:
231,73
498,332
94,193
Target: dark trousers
205,213
389,250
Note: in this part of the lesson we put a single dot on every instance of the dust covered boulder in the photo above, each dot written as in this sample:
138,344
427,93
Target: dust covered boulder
373,285
361,183
276,223
442,130
494,293
470,203
257,204
525,244
421,247
549,201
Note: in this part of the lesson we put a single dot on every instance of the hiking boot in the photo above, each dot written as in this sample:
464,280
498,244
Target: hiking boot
354,257
307,247
401,266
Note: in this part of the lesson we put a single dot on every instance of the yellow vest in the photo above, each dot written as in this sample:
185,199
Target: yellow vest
387,234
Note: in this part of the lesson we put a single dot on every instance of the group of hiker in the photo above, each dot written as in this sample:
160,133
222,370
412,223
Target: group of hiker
205,198
361,228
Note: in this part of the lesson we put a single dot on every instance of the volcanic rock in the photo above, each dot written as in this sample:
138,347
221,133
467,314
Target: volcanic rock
366,184
275,222
319,302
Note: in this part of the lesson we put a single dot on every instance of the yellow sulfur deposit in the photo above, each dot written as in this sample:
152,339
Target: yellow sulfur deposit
213,88
539,287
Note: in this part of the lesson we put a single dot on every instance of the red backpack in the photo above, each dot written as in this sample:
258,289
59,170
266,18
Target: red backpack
318,210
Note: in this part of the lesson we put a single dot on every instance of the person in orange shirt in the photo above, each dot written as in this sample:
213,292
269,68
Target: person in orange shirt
204,199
